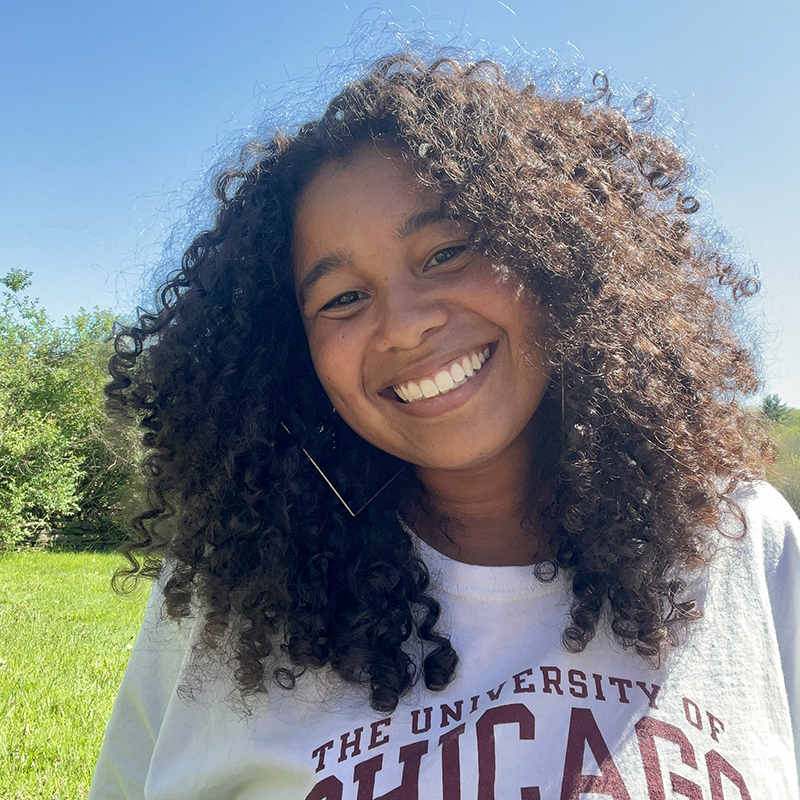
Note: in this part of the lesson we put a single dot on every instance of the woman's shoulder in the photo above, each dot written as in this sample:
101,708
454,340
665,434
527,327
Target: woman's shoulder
164,644
758,560
762,499
769,520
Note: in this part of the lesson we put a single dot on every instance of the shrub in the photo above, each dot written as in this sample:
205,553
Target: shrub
60,457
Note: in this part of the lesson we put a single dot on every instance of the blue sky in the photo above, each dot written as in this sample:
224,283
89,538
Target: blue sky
112,113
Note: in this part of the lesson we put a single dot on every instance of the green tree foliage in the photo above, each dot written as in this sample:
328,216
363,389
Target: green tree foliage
59,457
773,409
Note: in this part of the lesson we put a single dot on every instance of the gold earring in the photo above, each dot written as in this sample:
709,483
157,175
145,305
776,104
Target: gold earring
334,489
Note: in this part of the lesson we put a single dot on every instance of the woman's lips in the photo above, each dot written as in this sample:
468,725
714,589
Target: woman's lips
449,377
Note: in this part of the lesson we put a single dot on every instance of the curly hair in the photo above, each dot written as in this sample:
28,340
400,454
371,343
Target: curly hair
643,438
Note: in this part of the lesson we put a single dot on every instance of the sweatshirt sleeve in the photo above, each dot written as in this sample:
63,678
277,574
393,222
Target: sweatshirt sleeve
781,532
148,686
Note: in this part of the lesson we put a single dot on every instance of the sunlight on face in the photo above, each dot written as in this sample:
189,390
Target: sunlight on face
419,347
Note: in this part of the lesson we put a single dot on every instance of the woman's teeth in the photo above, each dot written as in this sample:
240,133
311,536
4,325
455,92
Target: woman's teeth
444,381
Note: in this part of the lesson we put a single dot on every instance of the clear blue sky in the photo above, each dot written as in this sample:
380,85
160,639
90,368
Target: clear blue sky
112,111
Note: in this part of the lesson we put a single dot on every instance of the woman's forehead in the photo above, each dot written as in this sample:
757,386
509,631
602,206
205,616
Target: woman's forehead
371,152
373,180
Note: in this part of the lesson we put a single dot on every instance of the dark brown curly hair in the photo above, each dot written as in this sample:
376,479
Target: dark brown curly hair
643,438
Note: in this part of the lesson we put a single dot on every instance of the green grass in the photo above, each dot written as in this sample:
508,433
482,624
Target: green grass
64,642
785,474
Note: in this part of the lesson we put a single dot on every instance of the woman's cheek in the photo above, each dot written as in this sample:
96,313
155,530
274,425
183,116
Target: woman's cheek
335,366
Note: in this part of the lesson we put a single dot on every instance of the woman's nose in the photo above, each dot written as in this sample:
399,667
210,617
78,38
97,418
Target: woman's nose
407,315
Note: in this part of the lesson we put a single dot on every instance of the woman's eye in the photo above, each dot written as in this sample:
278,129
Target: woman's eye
444,255
343,301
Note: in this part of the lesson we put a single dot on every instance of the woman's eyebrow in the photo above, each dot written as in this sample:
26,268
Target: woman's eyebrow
422,219
319,270
333,261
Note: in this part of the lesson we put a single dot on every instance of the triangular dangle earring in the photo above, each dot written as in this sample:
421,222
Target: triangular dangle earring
357,504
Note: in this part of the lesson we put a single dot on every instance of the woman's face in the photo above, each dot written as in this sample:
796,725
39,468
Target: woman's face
418,346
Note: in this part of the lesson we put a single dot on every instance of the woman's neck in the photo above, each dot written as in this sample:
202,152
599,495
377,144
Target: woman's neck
483,515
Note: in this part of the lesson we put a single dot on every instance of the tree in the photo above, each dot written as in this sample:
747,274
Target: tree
773,409
58,457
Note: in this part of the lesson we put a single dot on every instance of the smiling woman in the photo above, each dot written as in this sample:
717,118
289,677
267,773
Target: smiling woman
407,303
486,312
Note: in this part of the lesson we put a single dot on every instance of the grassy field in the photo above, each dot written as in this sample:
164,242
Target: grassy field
64,642
785,474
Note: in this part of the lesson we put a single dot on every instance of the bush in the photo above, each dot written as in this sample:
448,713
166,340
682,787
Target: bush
60,458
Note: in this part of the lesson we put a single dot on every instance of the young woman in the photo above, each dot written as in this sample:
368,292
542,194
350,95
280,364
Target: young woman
450,495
